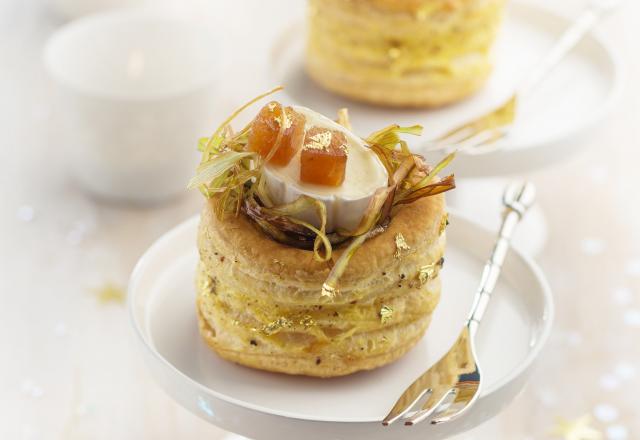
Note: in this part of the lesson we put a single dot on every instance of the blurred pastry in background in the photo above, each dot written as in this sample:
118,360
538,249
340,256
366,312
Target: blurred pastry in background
402,53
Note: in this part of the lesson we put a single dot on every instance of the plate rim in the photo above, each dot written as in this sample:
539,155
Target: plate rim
548,313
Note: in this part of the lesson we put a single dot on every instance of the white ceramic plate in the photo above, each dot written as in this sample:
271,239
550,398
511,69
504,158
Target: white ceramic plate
267,406
551,124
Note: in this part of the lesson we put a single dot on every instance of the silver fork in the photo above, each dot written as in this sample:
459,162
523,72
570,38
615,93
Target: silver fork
479,136
452,385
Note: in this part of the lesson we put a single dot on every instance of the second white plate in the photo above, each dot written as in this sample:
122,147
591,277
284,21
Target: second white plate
266,406
550,125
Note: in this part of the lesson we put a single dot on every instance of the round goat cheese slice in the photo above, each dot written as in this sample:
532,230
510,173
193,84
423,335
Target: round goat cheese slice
347,203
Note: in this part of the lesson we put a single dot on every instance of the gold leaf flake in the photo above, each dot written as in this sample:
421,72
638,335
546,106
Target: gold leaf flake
430,271
394,53
426,273
386,313
206,284
284,117
307,321
329,291
319,141
444,222
110,293
578,429
274,327
401,245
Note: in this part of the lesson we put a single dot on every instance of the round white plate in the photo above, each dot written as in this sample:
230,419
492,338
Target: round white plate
550,124
266,406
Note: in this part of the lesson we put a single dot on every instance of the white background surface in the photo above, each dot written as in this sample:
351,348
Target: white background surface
68,367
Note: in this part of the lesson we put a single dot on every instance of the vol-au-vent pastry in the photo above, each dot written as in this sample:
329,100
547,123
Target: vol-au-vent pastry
319,250
407,53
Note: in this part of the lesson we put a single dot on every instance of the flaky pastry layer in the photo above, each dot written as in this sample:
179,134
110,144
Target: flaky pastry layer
260,303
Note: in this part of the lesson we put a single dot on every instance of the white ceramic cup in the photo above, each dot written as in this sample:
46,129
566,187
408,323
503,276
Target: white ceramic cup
134,92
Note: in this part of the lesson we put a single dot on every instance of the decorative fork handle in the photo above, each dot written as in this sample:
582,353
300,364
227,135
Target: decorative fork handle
569,39
517,199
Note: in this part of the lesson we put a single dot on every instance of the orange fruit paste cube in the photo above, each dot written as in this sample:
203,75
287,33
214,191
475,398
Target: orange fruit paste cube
265,128
323,159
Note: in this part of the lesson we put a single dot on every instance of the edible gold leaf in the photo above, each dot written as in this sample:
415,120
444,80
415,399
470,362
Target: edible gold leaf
319,141
205,284
444,222
422,14
430,271
307,321
578,429
394,53
401,245
275,326
386,313
329,291
284,117
111,293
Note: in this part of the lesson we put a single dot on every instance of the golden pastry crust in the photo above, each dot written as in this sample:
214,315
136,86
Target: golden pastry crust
314,365
260,303
423,92
236,237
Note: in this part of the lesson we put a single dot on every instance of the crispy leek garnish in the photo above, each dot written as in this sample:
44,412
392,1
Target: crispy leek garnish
281,224
232,176
409,180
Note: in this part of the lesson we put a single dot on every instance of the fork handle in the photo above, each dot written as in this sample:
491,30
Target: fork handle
515,207
569,39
